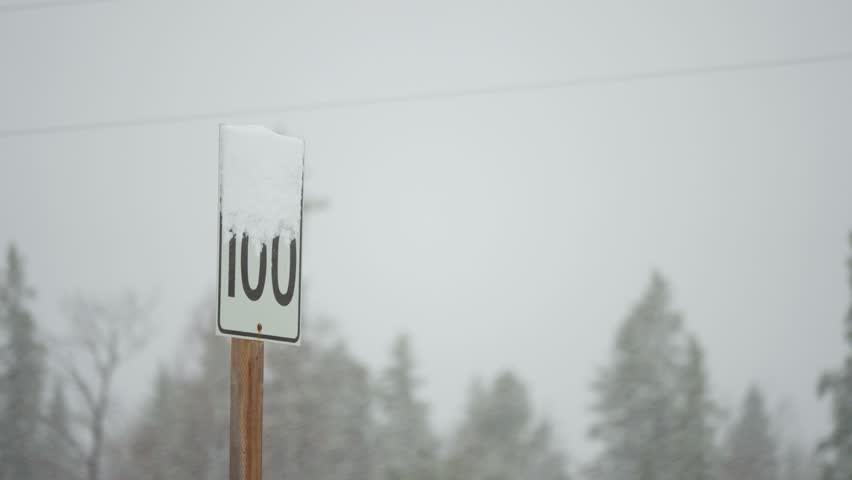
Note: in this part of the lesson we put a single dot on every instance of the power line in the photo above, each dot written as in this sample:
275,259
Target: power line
21,7
444,94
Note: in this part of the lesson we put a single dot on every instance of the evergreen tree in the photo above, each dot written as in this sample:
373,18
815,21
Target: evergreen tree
22,376
292,404
752,450
208,398
152,438
348,444
182,431
181,436
317,421
498,440
838,385
408,446
797,464
694,450
545,463
638,395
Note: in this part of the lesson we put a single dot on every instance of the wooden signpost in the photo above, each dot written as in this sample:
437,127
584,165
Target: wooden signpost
246,409
260,221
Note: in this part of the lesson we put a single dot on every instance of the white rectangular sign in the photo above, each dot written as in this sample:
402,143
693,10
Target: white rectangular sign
260,234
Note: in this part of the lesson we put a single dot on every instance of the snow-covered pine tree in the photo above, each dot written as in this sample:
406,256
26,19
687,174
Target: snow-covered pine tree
317,419
407,445
751,450
211,392
205,401
346,386
22,360
545,461
182,428
498,440
694,449
838,385
292,403
798,463
638,393
154,436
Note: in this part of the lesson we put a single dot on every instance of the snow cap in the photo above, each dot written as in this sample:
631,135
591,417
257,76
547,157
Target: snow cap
260,183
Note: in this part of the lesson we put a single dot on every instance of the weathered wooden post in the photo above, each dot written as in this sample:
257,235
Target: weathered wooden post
246,457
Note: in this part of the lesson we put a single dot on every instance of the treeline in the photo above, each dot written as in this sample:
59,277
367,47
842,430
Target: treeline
656,417
327,417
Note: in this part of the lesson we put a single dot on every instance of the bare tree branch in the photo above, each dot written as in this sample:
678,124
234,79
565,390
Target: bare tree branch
106,335
82,387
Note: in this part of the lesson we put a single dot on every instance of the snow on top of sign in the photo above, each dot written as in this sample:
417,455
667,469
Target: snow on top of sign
261,183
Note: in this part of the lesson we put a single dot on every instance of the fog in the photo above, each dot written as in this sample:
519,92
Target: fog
497,182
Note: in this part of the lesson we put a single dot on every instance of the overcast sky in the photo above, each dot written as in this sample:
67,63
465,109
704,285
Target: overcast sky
504,230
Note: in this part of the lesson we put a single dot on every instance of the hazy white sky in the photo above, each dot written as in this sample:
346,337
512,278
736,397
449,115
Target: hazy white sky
501,231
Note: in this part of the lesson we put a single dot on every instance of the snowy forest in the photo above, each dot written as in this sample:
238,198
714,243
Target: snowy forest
655,415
